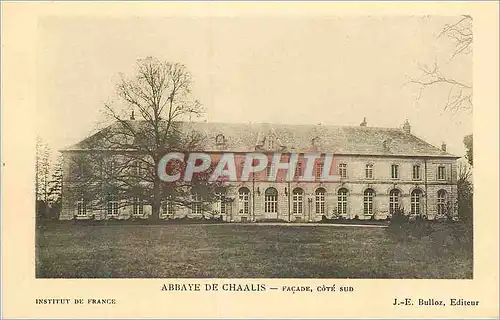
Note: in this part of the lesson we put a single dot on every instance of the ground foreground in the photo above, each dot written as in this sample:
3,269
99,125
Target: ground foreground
65,250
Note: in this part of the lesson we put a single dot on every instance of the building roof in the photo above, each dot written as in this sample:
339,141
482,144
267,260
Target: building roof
340,140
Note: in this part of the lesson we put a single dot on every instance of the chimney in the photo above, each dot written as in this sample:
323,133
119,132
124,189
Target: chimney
132,116
443,146
406,127
363,124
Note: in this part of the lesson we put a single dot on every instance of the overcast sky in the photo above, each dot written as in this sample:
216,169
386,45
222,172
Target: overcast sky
286,70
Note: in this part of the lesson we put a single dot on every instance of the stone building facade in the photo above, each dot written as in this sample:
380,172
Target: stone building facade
378,171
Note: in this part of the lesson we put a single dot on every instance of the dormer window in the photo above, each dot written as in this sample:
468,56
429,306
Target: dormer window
220,140
315,141
270,143
298,170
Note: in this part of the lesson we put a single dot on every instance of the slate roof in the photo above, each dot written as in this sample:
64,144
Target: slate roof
341,140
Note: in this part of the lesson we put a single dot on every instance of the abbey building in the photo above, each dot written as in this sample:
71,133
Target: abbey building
377,170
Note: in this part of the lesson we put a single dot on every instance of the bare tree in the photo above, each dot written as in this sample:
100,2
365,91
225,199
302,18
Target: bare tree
464,171
55,183
465,191
42,169
459,91
123,158
468,142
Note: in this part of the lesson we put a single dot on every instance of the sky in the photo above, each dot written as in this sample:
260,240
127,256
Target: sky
310,70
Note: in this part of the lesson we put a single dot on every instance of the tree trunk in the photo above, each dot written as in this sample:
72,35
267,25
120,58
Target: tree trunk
156,203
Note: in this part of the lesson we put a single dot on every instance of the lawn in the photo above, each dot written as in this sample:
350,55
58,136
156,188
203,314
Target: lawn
65,250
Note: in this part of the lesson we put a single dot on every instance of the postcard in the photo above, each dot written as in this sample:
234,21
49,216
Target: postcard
250,160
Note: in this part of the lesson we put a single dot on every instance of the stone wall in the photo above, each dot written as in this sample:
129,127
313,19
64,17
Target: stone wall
355,183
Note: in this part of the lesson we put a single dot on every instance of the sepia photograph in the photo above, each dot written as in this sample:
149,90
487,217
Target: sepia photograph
223,160
254,147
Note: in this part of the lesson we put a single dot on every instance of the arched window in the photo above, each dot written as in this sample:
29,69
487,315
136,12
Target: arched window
368,196
441,202
320,201
271,200
416,197
394,196
243,201
342,201
297,200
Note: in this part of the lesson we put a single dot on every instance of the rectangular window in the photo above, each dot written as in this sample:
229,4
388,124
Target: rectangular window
269,170
221,203
441,203
368,202
298,170
343,170
167,208
394,201
320,202
197,207
415,202
244,201
319,170
270,203
110,167
416,172
138,207
342,202
441,173
112,206
297,202
369,171
394,171
138,168
81,208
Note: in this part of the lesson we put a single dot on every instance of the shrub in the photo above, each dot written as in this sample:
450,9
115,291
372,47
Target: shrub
406,227
398,217
335,214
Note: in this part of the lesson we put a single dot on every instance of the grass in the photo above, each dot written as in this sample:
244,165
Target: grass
65,250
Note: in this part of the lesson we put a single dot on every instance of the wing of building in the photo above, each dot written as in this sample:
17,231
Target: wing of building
379,170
